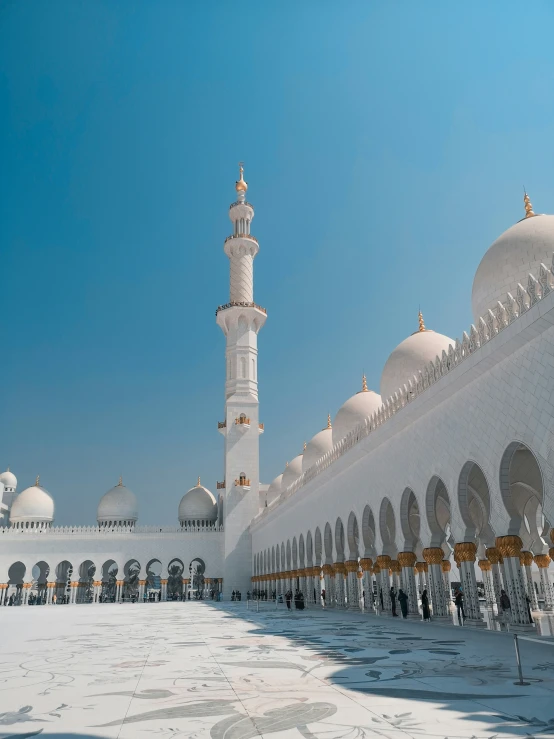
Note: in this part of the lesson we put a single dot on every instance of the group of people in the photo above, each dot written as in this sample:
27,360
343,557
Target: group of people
298,599
236,595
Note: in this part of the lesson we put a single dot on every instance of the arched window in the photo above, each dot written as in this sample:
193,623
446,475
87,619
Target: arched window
243,367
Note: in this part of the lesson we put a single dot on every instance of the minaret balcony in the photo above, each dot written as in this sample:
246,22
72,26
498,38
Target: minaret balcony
260,428
240,304
242,236
222,427
243,483
221,485
242,423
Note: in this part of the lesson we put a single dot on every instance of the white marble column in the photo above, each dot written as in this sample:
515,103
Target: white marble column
486,572
317,584
446,567
366,582
329,582
433,556
465,555
495,558
353,598
407,560
510,549
25,594
309,594
543,561
526,561
383,560
302,576
340,573
420,569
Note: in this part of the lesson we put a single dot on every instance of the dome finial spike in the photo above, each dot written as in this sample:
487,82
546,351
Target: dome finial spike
241,186
329,421
37,481
198,483
305,445
120,483
528,205
421,323
364,384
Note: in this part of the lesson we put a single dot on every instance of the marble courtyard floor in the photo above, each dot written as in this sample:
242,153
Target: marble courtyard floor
199,670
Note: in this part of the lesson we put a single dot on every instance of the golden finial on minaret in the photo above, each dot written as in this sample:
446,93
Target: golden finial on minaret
421,324
528,205
37,481
287,464
305,445
329,421
120,483
364,384
198,483
241,185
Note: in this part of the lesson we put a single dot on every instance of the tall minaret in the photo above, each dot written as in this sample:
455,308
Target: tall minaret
240,320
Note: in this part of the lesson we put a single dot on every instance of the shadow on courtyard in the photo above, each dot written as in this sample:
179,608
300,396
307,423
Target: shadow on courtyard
466,671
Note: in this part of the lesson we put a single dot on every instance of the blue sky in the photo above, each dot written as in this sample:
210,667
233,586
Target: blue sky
385,147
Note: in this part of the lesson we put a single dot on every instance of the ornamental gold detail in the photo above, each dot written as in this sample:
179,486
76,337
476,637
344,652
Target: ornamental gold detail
510,546
485,565
376,570
494,556
465,551
328,570
407,559
445,565
366,564
420,567
542,560
340,568
351,565
552,535
526,559
433,555
395,566
383,560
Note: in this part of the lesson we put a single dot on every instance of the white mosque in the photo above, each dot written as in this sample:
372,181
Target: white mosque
446,477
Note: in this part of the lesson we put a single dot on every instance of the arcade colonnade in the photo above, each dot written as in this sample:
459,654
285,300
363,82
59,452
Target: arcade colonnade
501,541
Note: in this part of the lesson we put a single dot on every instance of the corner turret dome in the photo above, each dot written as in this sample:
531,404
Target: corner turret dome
356,409
321,443
33,508
9,480
410,356
118,507
198,507
274,490
517,252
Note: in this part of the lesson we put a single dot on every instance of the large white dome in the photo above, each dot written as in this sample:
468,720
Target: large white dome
33,505
292,472
516,253
354,411
274,490
409,357
321,443
198,505
118,507
9,479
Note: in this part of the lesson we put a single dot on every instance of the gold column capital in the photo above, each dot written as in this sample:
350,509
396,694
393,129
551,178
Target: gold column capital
445,565
494,556
542,560
526,559
465,551
510,546
484,565
366,563
433,555
407,559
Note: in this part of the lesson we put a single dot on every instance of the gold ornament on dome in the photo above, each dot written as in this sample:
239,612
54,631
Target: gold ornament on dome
329,426
241,185
485,565
526,559
364,384
542,560
445,565
494,556
433,555
366,563
528,206
406,559
421,328
465,551
383,560
510,546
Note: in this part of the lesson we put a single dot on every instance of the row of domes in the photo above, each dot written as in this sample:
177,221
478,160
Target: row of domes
518,252
118,507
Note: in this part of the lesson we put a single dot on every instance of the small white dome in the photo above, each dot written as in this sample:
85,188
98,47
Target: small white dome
198,504
321,443
33,505
118,507
274,490
354,411
292,472
9,479
412,355
516,253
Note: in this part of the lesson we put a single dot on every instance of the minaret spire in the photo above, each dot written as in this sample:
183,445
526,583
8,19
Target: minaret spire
528,205
421,323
